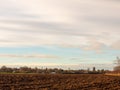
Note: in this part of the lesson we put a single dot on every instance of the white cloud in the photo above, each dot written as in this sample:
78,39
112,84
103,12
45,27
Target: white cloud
27,56
67,23
94,45
116,45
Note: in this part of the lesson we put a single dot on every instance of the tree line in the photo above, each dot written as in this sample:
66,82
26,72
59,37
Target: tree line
25,69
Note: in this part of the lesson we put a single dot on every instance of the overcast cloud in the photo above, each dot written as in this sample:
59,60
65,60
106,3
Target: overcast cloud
90,24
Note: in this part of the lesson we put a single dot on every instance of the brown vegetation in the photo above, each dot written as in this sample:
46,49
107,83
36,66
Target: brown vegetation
26,69
58,82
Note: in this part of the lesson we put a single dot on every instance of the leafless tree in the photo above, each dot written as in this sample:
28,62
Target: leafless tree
117,63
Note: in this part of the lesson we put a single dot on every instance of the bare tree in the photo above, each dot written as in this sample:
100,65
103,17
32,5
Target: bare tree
117,63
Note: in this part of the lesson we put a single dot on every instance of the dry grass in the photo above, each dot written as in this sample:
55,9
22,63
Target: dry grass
113,74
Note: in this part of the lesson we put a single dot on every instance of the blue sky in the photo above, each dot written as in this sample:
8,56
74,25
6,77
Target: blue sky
59,32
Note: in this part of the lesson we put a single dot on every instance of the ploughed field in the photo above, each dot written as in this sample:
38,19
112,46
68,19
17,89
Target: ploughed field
58,82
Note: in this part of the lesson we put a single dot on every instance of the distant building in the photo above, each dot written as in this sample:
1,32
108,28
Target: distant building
94,69
53,73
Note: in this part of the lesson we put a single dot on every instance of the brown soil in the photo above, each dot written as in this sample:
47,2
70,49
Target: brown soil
58,82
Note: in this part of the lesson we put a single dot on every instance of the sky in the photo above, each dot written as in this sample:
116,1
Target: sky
59,33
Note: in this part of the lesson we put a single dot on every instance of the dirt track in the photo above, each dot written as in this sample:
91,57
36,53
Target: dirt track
58,82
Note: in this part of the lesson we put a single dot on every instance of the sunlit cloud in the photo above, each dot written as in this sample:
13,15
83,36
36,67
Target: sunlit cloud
116,45
27,56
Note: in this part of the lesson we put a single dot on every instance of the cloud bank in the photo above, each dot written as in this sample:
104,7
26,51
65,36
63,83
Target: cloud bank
90,25
28,56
